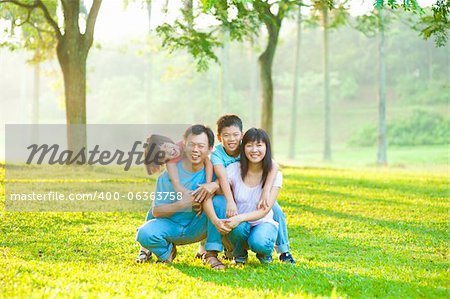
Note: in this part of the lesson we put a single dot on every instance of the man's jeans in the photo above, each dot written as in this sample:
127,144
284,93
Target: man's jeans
259,238
159,235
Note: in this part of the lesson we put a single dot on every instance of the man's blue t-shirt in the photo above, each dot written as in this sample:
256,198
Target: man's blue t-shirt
166,194
220,157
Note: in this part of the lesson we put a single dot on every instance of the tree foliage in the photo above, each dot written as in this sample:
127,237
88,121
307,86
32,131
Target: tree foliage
28,28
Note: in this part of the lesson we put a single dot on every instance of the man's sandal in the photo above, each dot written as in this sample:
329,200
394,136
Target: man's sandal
199,255
211,258
173,254
143,256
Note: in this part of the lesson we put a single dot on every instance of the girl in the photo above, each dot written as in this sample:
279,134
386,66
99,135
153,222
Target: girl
252,227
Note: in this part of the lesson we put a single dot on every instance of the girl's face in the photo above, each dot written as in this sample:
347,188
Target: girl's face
171,150
255,151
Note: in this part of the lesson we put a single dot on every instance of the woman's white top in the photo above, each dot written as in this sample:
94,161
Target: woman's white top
247,198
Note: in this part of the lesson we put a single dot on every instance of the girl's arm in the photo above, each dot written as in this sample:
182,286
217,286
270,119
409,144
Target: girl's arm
209,170
265,194
255,215
174,178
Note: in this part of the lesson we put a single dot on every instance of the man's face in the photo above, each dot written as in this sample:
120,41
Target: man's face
197,148
231,138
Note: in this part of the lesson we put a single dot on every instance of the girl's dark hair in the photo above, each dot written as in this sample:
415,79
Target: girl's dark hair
154,141
258,135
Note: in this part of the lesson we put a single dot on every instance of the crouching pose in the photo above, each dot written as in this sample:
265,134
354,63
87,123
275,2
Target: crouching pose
251,228
178,221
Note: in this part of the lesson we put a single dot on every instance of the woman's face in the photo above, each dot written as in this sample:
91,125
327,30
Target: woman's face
255,151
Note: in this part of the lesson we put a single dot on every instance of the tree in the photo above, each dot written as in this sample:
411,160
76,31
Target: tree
373,25
323,8
382,134
435,24
148,67
292,140
39,42
72,49
250,16
330,17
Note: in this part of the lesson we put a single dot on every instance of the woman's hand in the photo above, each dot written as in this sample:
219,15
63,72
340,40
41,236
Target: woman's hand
231,209
221,227
232,222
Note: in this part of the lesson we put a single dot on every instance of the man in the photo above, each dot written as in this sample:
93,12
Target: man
178,219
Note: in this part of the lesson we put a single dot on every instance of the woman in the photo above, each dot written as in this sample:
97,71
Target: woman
253,228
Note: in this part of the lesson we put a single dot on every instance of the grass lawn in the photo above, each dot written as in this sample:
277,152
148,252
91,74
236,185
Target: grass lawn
354,234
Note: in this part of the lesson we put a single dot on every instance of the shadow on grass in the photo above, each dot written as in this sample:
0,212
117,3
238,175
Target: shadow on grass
354,253
407,187
401,226
316,281
366,199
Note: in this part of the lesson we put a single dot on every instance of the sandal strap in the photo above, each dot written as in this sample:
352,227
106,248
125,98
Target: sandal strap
211,258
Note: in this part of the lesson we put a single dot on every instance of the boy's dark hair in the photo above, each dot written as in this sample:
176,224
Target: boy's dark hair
258,135
199,129
228,120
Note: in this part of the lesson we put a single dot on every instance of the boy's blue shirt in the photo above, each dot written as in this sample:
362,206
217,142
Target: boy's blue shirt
220,157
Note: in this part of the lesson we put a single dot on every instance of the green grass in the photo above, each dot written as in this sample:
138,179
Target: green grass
429,158
354,234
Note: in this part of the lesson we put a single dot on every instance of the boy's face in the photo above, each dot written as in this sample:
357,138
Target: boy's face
231,137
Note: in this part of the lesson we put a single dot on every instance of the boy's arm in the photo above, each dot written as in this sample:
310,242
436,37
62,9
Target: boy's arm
265,194
221,174
255,215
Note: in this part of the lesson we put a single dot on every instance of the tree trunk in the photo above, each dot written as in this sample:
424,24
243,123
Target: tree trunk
148,69
35,104
72,51
292,140
224,77
265,64
253,78
326,85
72,57
430,61
36,93
382,140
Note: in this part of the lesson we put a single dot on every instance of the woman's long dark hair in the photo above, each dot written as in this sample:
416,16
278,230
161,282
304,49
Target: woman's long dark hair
258,135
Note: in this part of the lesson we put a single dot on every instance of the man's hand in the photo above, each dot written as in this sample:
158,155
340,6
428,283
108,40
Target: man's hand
231,209
197,207
204,191
232,222
263,201
222,227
